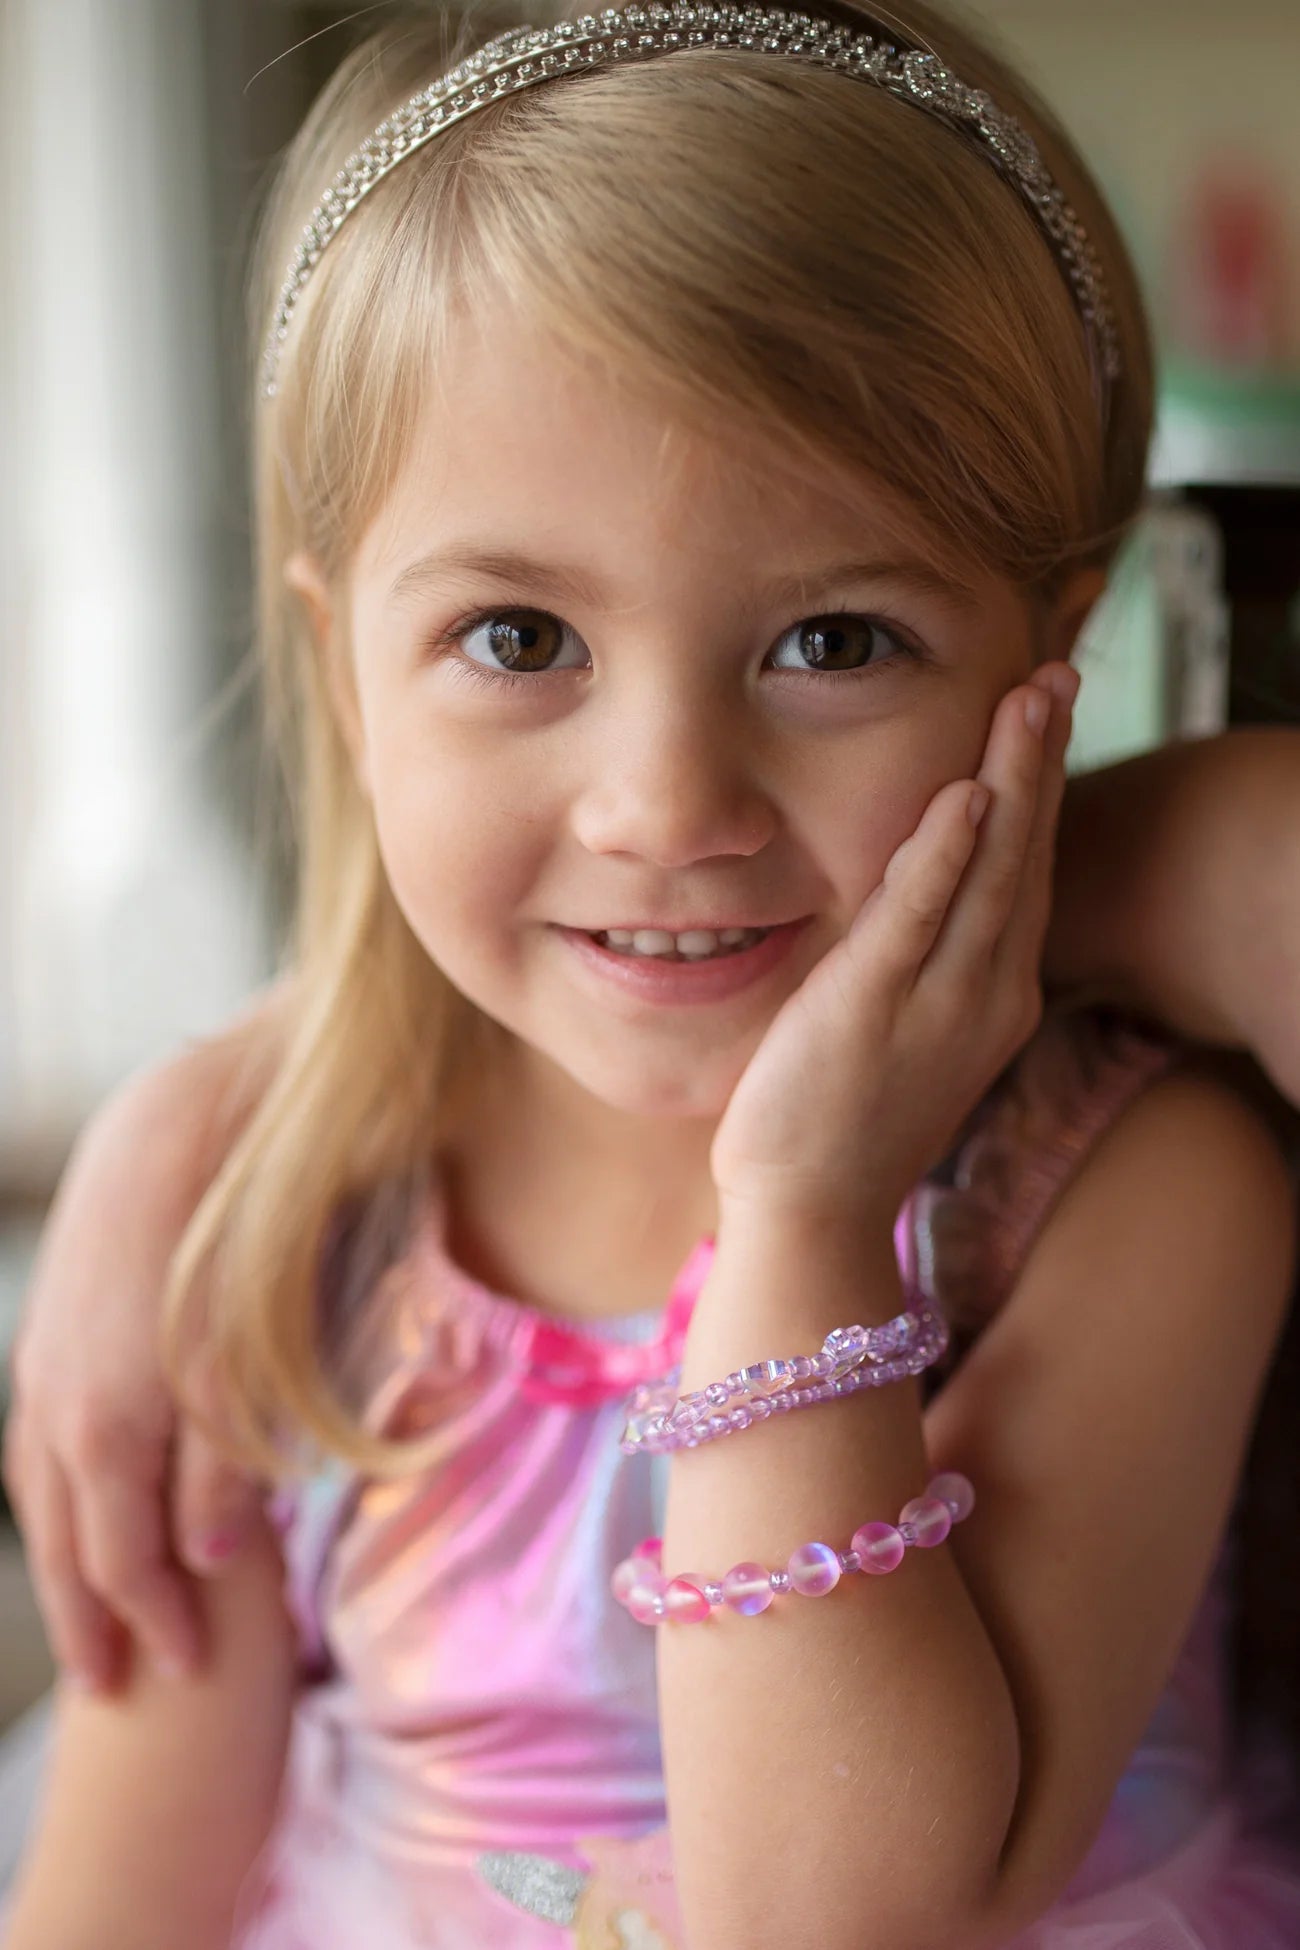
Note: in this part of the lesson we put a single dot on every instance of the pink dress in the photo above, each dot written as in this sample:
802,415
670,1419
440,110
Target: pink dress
475,1759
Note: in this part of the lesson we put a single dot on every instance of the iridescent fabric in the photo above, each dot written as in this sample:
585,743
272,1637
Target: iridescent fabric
475,1760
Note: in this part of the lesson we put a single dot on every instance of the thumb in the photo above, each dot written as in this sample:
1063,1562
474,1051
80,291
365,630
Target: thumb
213,1504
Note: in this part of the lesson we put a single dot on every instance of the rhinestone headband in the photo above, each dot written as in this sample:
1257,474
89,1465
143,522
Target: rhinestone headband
524,56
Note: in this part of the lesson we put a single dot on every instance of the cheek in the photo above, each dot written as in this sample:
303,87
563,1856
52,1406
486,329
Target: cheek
458,857
873,804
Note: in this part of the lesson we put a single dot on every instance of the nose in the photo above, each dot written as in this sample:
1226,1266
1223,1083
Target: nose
674,780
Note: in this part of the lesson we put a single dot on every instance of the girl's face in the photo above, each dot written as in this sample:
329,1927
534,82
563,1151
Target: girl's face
611,673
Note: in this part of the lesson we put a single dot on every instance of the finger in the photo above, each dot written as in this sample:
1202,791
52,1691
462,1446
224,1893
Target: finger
896,928
213,1506
84,1637
1021,943
1014,762
122,1546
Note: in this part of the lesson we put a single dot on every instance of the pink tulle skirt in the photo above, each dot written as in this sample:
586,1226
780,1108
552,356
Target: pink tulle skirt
1231,1886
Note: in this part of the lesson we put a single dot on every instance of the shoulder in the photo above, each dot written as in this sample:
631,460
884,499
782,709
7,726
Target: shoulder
1103,1419
1196,1167
171,1123
1079,1080
975,1220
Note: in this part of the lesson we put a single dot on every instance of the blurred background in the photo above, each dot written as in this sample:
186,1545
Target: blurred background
136,909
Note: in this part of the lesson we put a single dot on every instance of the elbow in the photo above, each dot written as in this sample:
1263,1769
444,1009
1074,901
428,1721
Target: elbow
850,1901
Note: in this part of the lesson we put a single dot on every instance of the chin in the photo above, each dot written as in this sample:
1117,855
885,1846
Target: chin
688,1089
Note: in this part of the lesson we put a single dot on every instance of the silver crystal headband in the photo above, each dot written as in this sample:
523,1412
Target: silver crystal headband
524,56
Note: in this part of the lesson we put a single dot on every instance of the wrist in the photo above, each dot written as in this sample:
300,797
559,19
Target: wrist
760,1223
779,1283
803,1256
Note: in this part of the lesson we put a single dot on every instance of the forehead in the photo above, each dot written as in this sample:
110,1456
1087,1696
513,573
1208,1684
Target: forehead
522,440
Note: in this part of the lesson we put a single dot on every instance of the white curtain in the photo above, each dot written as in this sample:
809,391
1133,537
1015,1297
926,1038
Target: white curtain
127,917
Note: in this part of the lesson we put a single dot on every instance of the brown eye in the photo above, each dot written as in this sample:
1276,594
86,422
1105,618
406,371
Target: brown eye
519,640
841,643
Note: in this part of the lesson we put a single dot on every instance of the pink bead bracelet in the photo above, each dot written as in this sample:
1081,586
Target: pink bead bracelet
813,1569
850,1358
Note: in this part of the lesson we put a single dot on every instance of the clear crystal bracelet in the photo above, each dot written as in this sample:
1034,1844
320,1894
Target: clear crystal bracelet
851,1358
812,1570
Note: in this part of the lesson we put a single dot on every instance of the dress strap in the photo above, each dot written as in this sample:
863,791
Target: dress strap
974,1223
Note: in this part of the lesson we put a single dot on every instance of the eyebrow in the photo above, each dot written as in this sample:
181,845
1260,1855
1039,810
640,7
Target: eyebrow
463,564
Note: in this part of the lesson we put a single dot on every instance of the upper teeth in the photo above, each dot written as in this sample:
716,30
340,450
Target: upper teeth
695,942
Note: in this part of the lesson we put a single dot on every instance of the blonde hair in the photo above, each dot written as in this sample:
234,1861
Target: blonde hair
743,237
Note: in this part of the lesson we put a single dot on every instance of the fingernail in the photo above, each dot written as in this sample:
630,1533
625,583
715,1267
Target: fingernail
218,1546
83,1682
1038,709
172,1666
978,804
1062,680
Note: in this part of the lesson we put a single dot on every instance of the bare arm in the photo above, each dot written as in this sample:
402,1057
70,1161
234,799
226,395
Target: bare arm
1104,1418
159,1799
88,1441
1178,892
956,1731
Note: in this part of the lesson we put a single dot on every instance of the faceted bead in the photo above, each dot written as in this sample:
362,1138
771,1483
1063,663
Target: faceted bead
846,1347
689,1409
713,1592
953,1488
746,1589
879,1547
765,1377
684,1599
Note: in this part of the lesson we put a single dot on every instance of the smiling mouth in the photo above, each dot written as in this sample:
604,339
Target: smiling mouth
695,944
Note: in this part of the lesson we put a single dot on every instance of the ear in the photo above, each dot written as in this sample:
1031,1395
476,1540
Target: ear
305,576
1068,612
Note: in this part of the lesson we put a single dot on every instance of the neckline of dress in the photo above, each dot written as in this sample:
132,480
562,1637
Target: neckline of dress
537,1335
506,1315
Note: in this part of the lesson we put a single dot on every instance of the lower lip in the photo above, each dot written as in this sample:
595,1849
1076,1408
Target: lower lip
679,982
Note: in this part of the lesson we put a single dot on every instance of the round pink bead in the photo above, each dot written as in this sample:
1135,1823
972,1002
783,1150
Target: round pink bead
746,1588
929,1518
640,1602
685,1602
879,1547
953,1487
814,1569
628,1573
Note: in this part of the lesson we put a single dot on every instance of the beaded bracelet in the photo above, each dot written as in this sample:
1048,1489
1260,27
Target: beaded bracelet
812,1570
851,1358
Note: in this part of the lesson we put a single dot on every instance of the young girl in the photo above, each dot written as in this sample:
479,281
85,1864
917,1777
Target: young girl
684,466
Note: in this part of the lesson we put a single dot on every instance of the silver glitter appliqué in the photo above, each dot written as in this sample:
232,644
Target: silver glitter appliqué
543,1888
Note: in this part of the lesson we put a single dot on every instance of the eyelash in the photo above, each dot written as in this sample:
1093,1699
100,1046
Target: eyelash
474,673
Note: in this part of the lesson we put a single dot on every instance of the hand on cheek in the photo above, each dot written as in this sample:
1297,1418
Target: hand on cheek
870,1067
